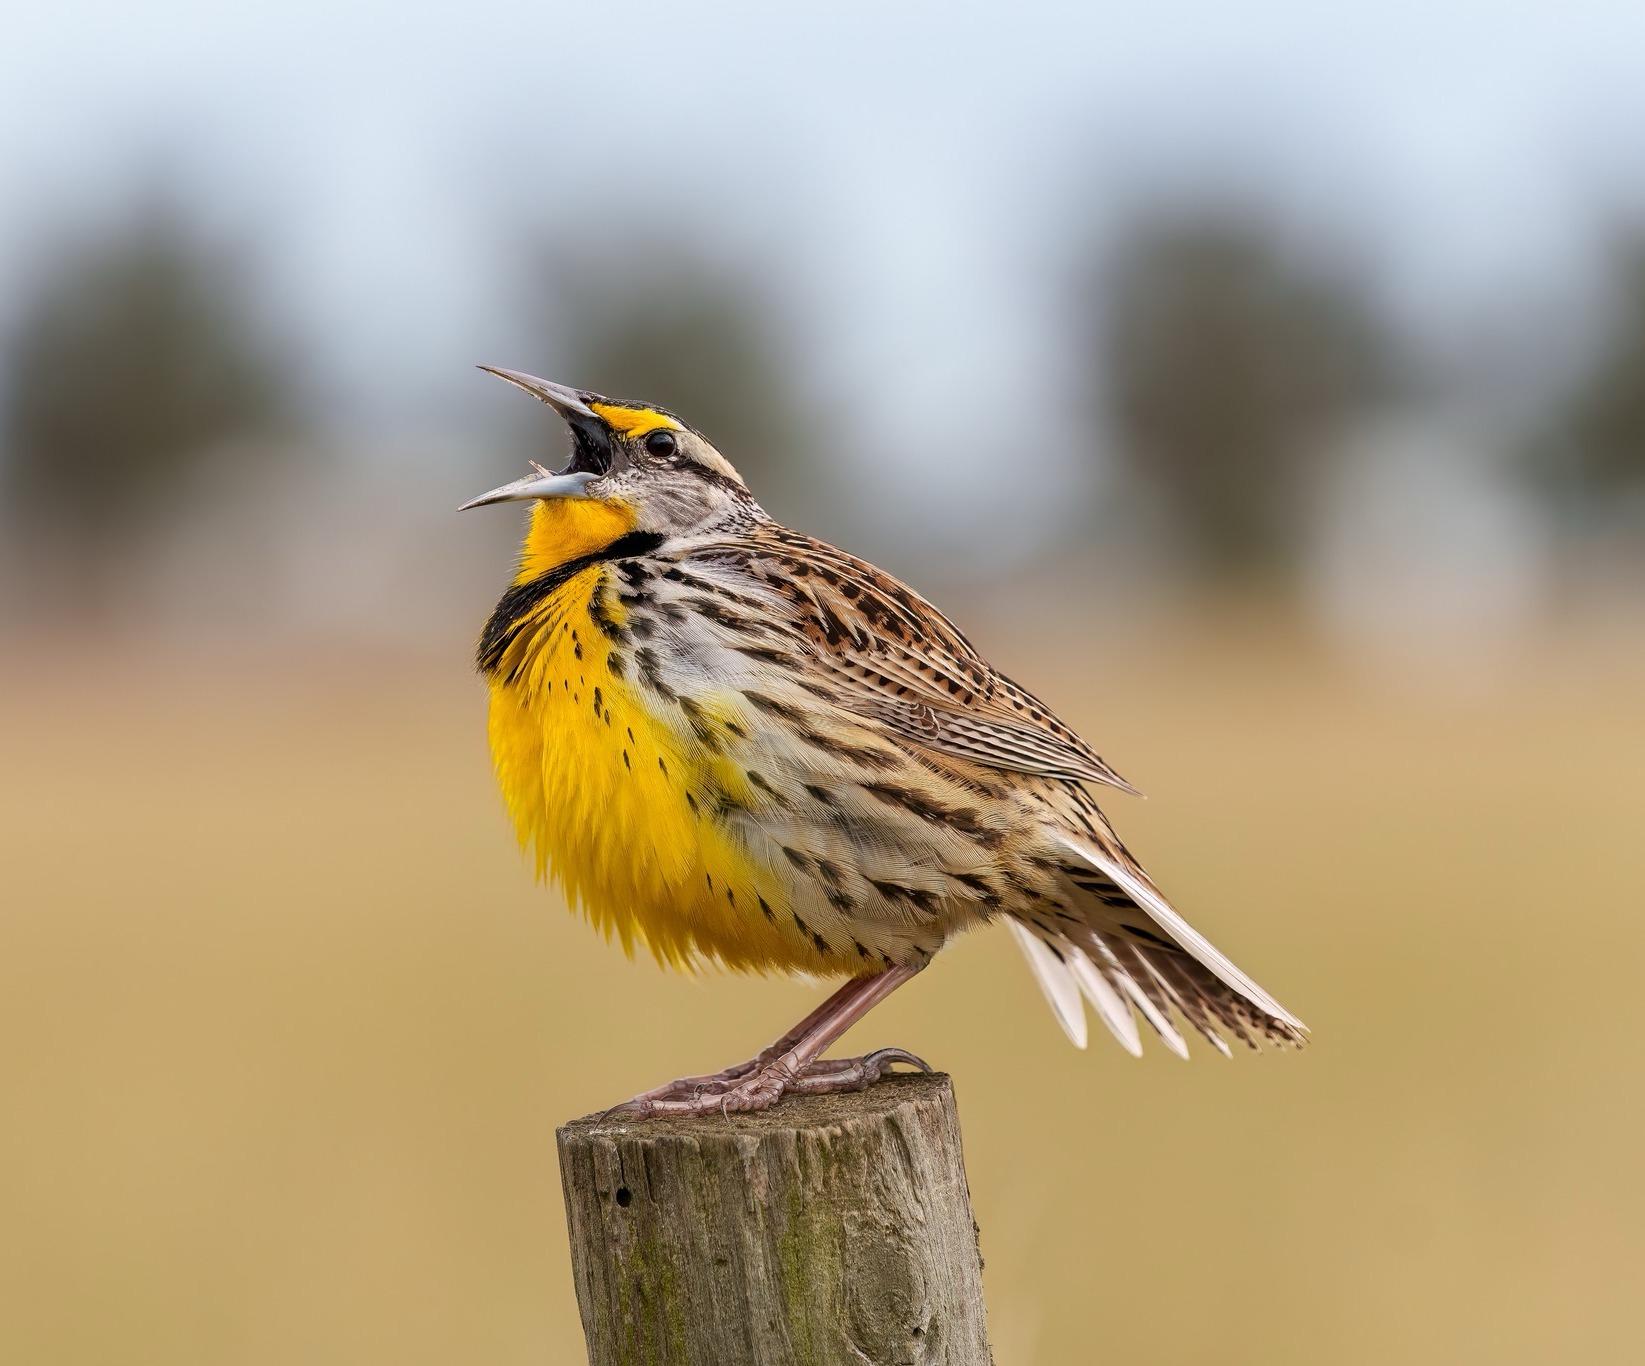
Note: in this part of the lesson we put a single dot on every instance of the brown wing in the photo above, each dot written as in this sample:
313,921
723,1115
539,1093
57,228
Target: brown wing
889,654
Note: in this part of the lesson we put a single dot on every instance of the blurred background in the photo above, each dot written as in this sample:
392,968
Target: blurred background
1263,384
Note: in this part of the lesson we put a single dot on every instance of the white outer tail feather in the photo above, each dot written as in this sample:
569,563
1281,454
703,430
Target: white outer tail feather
1156,1017
1113,1012
1062,993
1110,988
1191,940
1074,976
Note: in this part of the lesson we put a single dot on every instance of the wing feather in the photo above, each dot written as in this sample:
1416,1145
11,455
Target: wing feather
889,655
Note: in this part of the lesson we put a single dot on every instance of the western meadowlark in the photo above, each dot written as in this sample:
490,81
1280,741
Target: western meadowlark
733,743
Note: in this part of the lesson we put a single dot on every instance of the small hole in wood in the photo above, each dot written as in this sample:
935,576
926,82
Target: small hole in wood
624,1196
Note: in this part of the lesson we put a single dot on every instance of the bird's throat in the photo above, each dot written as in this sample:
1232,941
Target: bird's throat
566,529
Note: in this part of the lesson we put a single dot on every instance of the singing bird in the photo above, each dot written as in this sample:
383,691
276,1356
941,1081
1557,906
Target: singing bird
732,743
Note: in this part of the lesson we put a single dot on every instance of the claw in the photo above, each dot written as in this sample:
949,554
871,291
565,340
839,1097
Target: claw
886,1056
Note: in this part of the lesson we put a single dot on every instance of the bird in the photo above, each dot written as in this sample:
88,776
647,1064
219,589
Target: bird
730,743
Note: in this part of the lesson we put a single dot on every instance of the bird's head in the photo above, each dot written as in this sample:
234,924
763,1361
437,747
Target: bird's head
633,468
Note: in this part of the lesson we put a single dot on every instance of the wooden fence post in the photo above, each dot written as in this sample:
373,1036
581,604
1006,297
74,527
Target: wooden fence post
829,1231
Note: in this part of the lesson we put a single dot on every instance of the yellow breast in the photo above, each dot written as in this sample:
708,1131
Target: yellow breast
610,798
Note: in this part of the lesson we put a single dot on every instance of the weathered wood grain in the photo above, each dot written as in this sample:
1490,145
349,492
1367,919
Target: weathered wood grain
829,1231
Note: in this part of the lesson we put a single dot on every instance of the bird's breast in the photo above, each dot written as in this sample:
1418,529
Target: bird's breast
622,791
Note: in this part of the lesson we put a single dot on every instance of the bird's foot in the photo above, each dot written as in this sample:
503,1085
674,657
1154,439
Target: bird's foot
710,1083
760,1084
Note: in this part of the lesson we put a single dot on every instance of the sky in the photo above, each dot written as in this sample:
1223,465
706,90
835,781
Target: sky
913,179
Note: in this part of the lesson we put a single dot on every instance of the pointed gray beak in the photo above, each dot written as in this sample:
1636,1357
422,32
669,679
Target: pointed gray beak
535,486
567,402
572,405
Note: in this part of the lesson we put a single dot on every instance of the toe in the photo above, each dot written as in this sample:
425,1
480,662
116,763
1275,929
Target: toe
882,1058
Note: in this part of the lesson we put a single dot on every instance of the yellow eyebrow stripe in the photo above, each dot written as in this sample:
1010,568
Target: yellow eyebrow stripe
632,422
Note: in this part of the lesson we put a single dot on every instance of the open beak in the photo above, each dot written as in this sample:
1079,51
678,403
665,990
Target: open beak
569,403
539,485
572,405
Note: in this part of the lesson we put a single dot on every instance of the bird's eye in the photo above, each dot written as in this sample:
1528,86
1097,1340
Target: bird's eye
661,444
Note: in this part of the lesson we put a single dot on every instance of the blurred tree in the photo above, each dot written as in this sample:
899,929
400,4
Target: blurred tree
137,361
669,327
1226,364
1593,451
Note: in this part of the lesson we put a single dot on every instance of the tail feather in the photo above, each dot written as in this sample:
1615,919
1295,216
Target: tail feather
1233,1013
1144,992
1056,980
1146,897
1134,953
1189,1003
1106,1000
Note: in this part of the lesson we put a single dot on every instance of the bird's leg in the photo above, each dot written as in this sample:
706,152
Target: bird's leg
792,1063
712,1083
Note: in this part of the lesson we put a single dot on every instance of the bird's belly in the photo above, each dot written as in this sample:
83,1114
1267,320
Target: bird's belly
618,802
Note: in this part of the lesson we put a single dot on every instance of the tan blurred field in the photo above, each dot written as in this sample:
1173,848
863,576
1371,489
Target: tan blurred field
287,1028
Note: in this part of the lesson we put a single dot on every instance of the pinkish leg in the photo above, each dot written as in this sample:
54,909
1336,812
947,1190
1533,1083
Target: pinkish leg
791,1064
